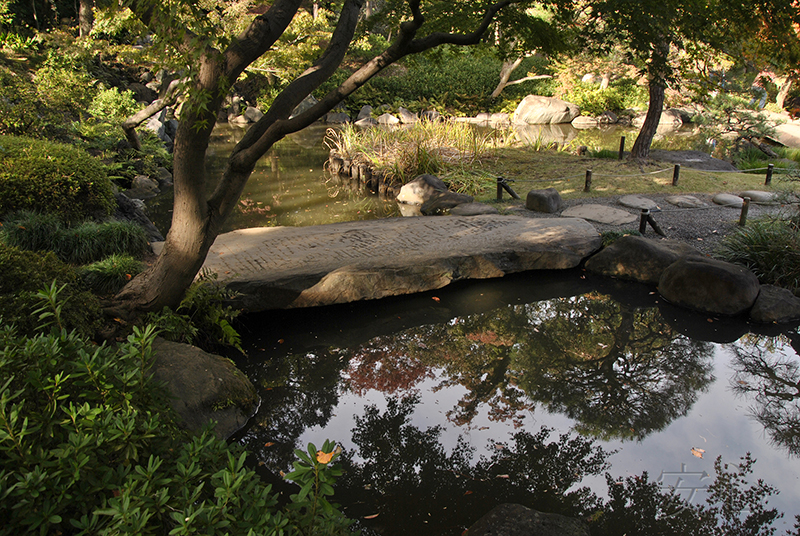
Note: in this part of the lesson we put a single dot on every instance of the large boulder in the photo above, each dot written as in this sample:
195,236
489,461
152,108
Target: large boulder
538,110
775,305
421,189
204,387
639,259
518,520
547,200
444,201
709,285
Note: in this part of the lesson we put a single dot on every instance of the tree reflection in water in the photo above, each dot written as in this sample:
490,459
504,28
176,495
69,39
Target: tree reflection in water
773,383
618,371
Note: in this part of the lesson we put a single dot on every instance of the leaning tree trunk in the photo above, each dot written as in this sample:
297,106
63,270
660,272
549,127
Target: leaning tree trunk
786,87
641,147
85,17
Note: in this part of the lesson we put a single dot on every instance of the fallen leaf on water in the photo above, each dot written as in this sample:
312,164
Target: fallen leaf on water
709,319
373,516
698,452
280,341
269,443
503,476
435,299
468,492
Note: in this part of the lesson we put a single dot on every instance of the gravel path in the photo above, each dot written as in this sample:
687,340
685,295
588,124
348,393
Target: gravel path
702,228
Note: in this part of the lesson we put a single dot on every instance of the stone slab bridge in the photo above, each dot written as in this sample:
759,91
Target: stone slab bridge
288,267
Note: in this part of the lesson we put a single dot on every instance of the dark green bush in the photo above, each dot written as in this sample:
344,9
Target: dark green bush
88,242
24,273
770,248
88,446
52,177
22,113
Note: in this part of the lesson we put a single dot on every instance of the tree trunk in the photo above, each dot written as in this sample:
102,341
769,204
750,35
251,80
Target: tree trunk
786,87
198,216
85,17
641,147
505,73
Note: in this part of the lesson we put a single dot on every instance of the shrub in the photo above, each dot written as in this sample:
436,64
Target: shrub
66,89
52,177
89,446
201,318
88,242
111,105
25,272
594,101
110,275
22,113
770,248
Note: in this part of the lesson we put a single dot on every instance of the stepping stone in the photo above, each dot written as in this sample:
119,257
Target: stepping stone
686,201
758,196
473,209
600,214
728,200
638,202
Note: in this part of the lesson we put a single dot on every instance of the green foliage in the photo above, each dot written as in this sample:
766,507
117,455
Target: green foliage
88,242
109,275
21,110
310,510
770,248
733,119
64,88
113,106
88,446
455,80
619,96
54,178
14,41
25,273
201,318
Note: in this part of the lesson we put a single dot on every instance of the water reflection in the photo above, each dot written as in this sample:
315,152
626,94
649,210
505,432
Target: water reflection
768,374
450,378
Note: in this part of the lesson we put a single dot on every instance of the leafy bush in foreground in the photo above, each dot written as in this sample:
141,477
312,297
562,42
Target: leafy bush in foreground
53,178
24,273
89,447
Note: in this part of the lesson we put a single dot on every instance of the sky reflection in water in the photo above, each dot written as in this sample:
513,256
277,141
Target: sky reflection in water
493,358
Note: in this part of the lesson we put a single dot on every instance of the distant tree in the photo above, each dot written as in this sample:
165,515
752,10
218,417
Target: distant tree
651,29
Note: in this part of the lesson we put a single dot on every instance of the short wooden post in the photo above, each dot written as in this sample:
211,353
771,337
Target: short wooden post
676,174
499,188
655,226
588,186
745,209
621,147
643,220
770,169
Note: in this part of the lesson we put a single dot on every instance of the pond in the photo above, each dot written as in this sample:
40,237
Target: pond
449,402
440,400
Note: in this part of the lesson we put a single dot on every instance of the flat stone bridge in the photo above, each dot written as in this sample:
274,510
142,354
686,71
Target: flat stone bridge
287,267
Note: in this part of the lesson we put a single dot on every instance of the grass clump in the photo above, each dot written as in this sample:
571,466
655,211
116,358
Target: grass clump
770,248
54,178
81,244
109,275
448,149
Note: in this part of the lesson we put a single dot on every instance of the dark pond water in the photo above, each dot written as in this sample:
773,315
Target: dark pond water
450,402
440,399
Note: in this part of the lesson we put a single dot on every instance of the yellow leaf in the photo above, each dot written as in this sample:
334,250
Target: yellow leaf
323,457
698,452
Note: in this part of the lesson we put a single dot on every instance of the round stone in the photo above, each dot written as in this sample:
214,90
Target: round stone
638,202
728,200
